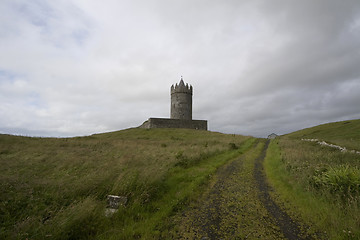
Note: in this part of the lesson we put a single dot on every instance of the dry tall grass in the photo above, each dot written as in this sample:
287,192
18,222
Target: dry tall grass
320,182
57,187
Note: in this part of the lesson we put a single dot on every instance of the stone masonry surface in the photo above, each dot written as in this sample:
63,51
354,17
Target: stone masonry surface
181,101
174,123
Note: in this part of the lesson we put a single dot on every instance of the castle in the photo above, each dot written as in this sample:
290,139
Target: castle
180,111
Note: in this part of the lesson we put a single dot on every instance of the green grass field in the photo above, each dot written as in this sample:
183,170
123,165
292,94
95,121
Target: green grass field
345,133
56,188
322,184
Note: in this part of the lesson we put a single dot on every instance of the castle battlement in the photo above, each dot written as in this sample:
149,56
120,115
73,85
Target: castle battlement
182,88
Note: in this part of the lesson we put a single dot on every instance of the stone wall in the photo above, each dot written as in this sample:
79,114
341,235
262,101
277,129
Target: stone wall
174,123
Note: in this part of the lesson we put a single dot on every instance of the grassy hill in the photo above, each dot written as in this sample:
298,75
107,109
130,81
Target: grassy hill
322,182
57,188
344,133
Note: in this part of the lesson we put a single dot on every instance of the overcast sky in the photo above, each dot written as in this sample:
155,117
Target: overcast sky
78,67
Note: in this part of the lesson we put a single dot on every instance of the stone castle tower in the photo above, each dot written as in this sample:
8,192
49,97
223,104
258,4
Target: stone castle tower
180,111
181,101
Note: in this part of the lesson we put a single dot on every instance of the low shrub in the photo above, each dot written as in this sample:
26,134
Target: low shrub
343,180
233,146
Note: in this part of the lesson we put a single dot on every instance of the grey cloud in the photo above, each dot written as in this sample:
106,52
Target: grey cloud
75,68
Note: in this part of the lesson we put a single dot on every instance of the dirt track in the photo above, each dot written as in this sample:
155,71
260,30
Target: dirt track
290,229
237,205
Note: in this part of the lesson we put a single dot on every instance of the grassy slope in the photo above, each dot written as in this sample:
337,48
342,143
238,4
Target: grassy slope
57,187
321,183
345,133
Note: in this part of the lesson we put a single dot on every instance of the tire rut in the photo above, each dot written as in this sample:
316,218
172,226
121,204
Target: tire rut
229,208
237,205
289,228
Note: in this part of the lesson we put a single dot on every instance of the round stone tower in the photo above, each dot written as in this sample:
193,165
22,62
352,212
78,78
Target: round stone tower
181,101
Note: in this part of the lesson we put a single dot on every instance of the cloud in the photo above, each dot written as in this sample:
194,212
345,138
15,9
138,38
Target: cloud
78,67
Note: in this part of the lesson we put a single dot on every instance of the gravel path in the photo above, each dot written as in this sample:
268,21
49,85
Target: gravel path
237,205
289,228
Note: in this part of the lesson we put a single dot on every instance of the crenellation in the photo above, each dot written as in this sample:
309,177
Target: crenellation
181,88
181,101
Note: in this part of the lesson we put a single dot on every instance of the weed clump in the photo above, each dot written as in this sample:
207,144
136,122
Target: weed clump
343,180
186,162
233,146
